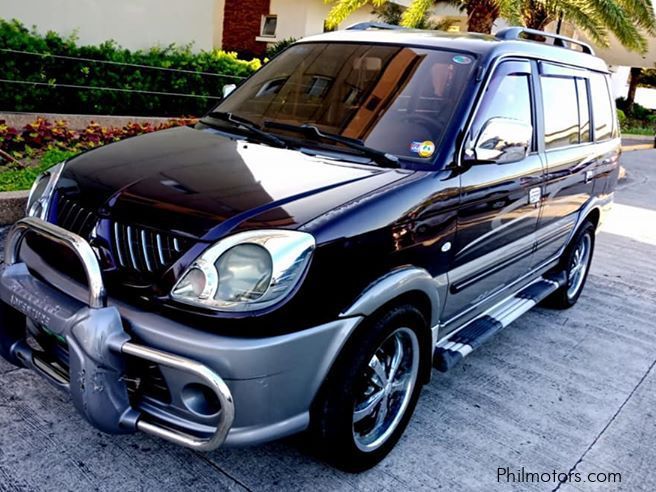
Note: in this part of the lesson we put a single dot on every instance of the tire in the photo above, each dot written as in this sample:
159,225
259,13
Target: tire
567,295
356,442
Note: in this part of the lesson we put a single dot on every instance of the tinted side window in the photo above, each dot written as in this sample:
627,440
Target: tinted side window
508,96
602,110
584,109
561,113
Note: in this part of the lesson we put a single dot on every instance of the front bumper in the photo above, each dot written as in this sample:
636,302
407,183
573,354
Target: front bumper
259,389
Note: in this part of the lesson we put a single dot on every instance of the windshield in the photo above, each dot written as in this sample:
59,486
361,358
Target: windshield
395,99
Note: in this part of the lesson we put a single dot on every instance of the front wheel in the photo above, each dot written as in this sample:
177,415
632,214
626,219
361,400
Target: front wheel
370,395
576,263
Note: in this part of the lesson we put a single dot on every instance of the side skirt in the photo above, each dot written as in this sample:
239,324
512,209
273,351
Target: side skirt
450,351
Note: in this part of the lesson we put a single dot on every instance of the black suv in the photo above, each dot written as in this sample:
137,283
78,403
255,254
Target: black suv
371,204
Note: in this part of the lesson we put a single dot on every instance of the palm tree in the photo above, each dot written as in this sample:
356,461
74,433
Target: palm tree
628,20
481,14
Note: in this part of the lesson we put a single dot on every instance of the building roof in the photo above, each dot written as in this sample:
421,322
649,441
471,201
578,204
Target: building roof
477,44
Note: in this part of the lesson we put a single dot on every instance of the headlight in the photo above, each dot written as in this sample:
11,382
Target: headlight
245,272
38,201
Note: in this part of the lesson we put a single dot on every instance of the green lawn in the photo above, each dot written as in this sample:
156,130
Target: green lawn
14,178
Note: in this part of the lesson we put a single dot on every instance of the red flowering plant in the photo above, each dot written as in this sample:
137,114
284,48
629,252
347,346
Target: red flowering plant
40,135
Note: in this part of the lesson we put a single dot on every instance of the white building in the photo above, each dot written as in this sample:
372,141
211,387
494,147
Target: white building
248,26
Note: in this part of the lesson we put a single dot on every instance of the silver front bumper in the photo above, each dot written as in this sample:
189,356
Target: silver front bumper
97,344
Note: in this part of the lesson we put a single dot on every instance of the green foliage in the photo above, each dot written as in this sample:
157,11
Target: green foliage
276,48
392,13
621,117
15,179
628,20
647,77
53,71
631,21
42,134
416,13
343,8
635,120
389,13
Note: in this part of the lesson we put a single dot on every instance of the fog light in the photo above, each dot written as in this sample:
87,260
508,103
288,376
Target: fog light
200,399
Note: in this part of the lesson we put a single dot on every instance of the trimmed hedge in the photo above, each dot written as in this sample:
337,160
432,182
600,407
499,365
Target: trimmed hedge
49,70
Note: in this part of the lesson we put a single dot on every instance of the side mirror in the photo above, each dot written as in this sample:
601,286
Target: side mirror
501,141
227,89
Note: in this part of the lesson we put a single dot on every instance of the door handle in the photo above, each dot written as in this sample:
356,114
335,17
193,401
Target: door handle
535,195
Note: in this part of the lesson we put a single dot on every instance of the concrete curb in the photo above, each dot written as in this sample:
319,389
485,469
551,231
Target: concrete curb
629,148
12,206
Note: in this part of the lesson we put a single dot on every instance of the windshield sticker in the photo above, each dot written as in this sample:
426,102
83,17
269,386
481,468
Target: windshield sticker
424,149
462,59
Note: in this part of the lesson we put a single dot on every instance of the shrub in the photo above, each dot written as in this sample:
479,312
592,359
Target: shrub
51,71
42,135
621,117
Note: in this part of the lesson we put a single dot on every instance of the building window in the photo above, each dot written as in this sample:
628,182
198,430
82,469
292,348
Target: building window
269,25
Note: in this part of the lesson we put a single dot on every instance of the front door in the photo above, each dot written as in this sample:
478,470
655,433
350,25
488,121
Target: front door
500,204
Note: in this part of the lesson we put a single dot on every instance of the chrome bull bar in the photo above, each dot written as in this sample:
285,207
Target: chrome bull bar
97,301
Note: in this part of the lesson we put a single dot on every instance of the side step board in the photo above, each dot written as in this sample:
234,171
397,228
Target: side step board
450,351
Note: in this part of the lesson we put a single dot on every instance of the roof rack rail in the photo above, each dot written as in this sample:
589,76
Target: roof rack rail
561,41
363,26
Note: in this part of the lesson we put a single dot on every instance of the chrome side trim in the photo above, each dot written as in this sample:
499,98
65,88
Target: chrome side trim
539,270
97,294
209,377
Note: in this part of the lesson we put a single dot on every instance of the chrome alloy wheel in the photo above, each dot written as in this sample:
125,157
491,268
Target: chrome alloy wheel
579,265
385,389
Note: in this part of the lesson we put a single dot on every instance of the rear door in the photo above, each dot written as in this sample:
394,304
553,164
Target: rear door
570,155
499,208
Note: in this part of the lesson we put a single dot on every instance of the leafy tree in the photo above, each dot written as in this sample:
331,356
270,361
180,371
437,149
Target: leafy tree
645,77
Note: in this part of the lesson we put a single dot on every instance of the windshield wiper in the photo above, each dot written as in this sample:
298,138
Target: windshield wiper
311,131
246,124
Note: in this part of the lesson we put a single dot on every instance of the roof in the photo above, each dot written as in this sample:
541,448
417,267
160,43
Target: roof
473,43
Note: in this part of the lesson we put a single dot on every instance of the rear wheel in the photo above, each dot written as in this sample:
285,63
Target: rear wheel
576,263
371,393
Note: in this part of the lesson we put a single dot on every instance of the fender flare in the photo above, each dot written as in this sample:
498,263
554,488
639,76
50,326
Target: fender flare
393,285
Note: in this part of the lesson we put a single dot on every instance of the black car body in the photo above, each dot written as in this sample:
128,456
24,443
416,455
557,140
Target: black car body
315,244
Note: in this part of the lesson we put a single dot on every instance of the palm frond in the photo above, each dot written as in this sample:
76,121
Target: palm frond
415,14
617,20
344,8
642,12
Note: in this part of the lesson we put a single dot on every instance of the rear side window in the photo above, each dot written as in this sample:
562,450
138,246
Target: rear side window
561,111
602,109
584,109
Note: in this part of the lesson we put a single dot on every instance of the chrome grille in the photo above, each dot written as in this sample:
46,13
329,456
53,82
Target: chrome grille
75,218
135,249
144,250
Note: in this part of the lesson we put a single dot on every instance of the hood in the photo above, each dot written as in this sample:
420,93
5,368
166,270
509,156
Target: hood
197,182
